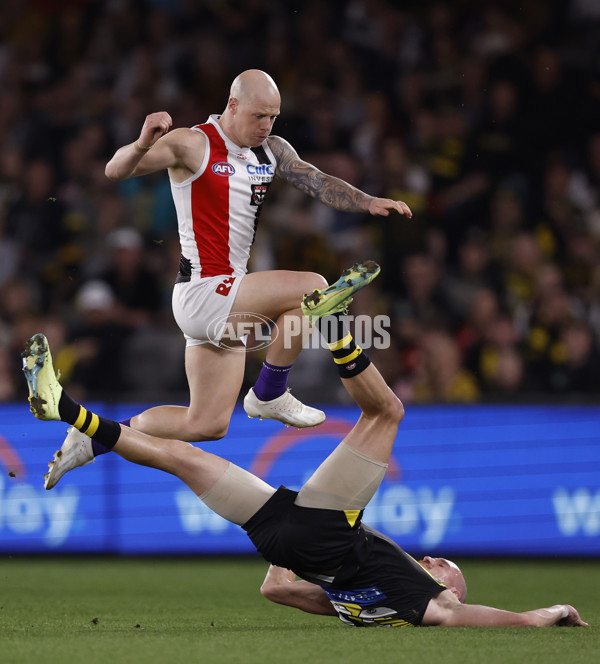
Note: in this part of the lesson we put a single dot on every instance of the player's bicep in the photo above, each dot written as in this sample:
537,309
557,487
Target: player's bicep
158,158
438,610
180,148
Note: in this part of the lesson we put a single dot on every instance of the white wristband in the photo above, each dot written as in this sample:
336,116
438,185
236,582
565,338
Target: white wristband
565,611
140,148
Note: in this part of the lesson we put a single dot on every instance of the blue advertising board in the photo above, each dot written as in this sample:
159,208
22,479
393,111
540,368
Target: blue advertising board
475,480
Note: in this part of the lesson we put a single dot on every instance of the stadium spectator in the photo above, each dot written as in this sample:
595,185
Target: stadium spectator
496,360
136,288
425,297
483,309
440,376
97,340
475,271
576,362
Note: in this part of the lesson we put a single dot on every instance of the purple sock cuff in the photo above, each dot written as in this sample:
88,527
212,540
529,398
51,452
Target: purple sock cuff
276,369
98,448
271,382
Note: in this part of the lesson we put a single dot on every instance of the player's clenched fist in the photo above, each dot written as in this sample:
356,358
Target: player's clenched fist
155,126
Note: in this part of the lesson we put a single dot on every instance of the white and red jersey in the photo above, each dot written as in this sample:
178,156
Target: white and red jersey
218,207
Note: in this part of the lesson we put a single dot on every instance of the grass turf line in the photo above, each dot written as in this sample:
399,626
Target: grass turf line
171,610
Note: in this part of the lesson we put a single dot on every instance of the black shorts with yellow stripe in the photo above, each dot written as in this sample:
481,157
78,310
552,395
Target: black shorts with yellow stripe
304,539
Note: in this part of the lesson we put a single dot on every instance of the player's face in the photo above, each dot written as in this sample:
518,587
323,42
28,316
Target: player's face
442,569
448,573
254,121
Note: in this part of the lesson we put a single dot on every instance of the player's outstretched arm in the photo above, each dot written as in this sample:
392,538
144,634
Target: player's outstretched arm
446,611
280,586
328,189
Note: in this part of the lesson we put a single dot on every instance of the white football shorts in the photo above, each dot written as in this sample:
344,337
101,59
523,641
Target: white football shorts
201,307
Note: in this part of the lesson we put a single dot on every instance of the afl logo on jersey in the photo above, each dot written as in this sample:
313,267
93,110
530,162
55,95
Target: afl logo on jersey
223,168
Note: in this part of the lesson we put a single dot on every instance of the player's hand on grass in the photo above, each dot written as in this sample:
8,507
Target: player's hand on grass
572,619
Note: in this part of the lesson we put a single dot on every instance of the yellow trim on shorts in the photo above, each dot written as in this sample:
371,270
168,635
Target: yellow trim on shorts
352,515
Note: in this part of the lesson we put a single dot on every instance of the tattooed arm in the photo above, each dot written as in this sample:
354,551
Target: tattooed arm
329,190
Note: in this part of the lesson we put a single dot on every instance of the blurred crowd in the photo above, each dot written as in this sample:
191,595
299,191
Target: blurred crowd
484,116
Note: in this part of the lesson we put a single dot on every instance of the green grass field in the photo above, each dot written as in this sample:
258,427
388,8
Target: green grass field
176,610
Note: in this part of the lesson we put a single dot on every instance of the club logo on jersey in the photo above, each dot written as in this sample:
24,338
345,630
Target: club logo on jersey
223,168
259,191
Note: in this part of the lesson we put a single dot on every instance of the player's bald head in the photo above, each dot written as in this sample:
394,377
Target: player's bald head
255,85
457,580
252,108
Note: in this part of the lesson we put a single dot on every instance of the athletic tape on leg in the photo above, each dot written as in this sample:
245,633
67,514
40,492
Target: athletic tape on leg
346,480
237,495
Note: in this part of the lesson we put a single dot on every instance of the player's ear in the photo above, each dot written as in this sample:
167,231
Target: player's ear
456,592
232,104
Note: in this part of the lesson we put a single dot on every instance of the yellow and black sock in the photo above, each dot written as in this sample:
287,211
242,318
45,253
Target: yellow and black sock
349,358
104,431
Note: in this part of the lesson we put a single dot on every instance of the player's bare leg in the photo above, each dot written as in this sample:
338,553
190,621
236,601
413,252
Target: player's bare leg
242,495
214,377
349,477
375,432
215,374
276,295
268,398
351,474
197,468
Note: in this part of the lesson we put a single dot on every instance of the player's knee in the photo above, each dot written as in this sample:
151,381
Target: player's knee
315,281
392,409
207,429
216,430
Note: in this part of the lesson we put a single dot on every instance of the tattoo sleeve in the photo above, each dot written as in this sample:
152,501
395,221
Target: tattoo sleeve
328,189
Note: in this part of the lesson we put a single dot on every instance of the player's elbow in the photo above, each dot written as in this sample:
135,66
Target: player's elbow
272,592
277,592
113,172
